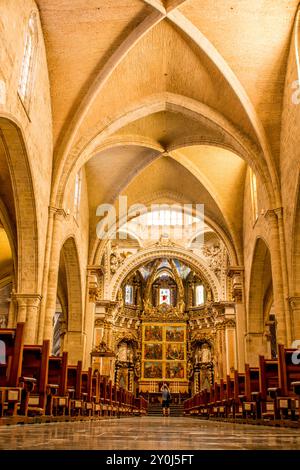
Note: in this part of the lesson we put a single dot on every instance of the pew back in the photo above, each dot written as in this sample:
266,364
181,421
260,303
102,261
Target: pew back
11,360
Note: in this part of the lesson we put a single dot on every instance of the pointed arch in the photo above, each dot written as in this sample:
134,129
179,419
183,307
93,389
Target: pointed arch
24,203
69,252
260,292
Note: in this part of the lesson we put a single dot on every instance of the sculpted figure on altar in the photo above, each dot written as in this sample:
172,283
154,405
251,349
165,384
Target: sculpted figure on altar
205,353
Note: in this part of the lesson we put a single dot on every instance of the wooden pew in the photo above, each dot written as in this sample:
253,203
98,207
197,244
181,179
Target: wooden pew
57,397
287,400
250,408
86,392
12,341
34,377
105,396
205,400
223,395
96,394
230,397
239,394
115,403
74,377
141,405
268,387
216,401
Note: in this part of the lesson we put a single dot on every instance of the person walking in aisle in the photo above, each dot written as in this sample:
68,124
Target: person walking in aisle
166,396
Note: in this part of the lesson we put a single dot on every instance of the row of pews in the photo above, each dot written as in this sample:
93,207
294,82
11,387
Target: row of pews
33,383
269,393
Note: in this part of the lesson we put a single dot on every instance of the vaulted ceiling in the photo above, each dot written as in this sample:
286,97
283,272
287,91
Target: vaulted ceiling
164,96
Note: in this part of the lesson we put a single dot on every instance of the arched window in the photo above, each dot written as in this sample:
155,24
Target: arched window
77,193
253,183
199,295
28,59
164,296
128,294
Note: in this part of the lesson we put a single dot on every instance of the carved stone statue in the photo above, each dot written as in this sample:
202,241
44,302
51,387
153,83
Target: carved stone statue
117,258
205,353
129,355
122,352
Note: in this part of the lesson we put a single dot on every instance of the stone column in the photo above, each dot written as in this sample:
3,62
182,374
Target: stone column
46,320
283,324
230,340
285,285
295,307
236,273
27,311
92,293
220,353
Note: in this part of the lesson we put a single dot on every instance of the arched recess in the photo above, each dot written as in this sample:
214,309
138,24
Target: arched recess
13,144
70,289
8,268
260,300
144,256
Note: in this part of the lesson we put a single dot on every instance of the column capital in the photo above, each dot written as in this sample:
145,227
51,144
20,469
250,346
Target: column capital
25,300
274,214
59,212
236,274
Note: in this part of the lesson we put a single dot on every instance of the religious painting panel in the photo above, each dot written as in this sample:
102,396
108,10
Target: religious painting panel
153,351
153,333
175,351
175,333
153,370
175,370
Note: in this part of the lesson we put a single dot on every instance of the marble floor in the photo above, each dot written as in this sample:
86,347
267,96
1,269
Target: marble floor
149,433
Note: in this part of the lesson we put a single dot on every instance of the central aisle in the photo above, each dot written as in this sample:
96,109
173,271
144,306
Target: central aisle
147,433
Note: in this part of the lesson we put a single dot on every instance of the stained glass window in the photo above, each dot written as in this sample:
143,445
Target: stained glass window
254,195
128,294
200,295
164,296
27,63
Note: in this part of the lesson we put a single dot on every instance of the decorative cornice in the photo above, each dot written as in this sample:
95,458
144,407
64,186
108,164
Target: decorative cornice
95,269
